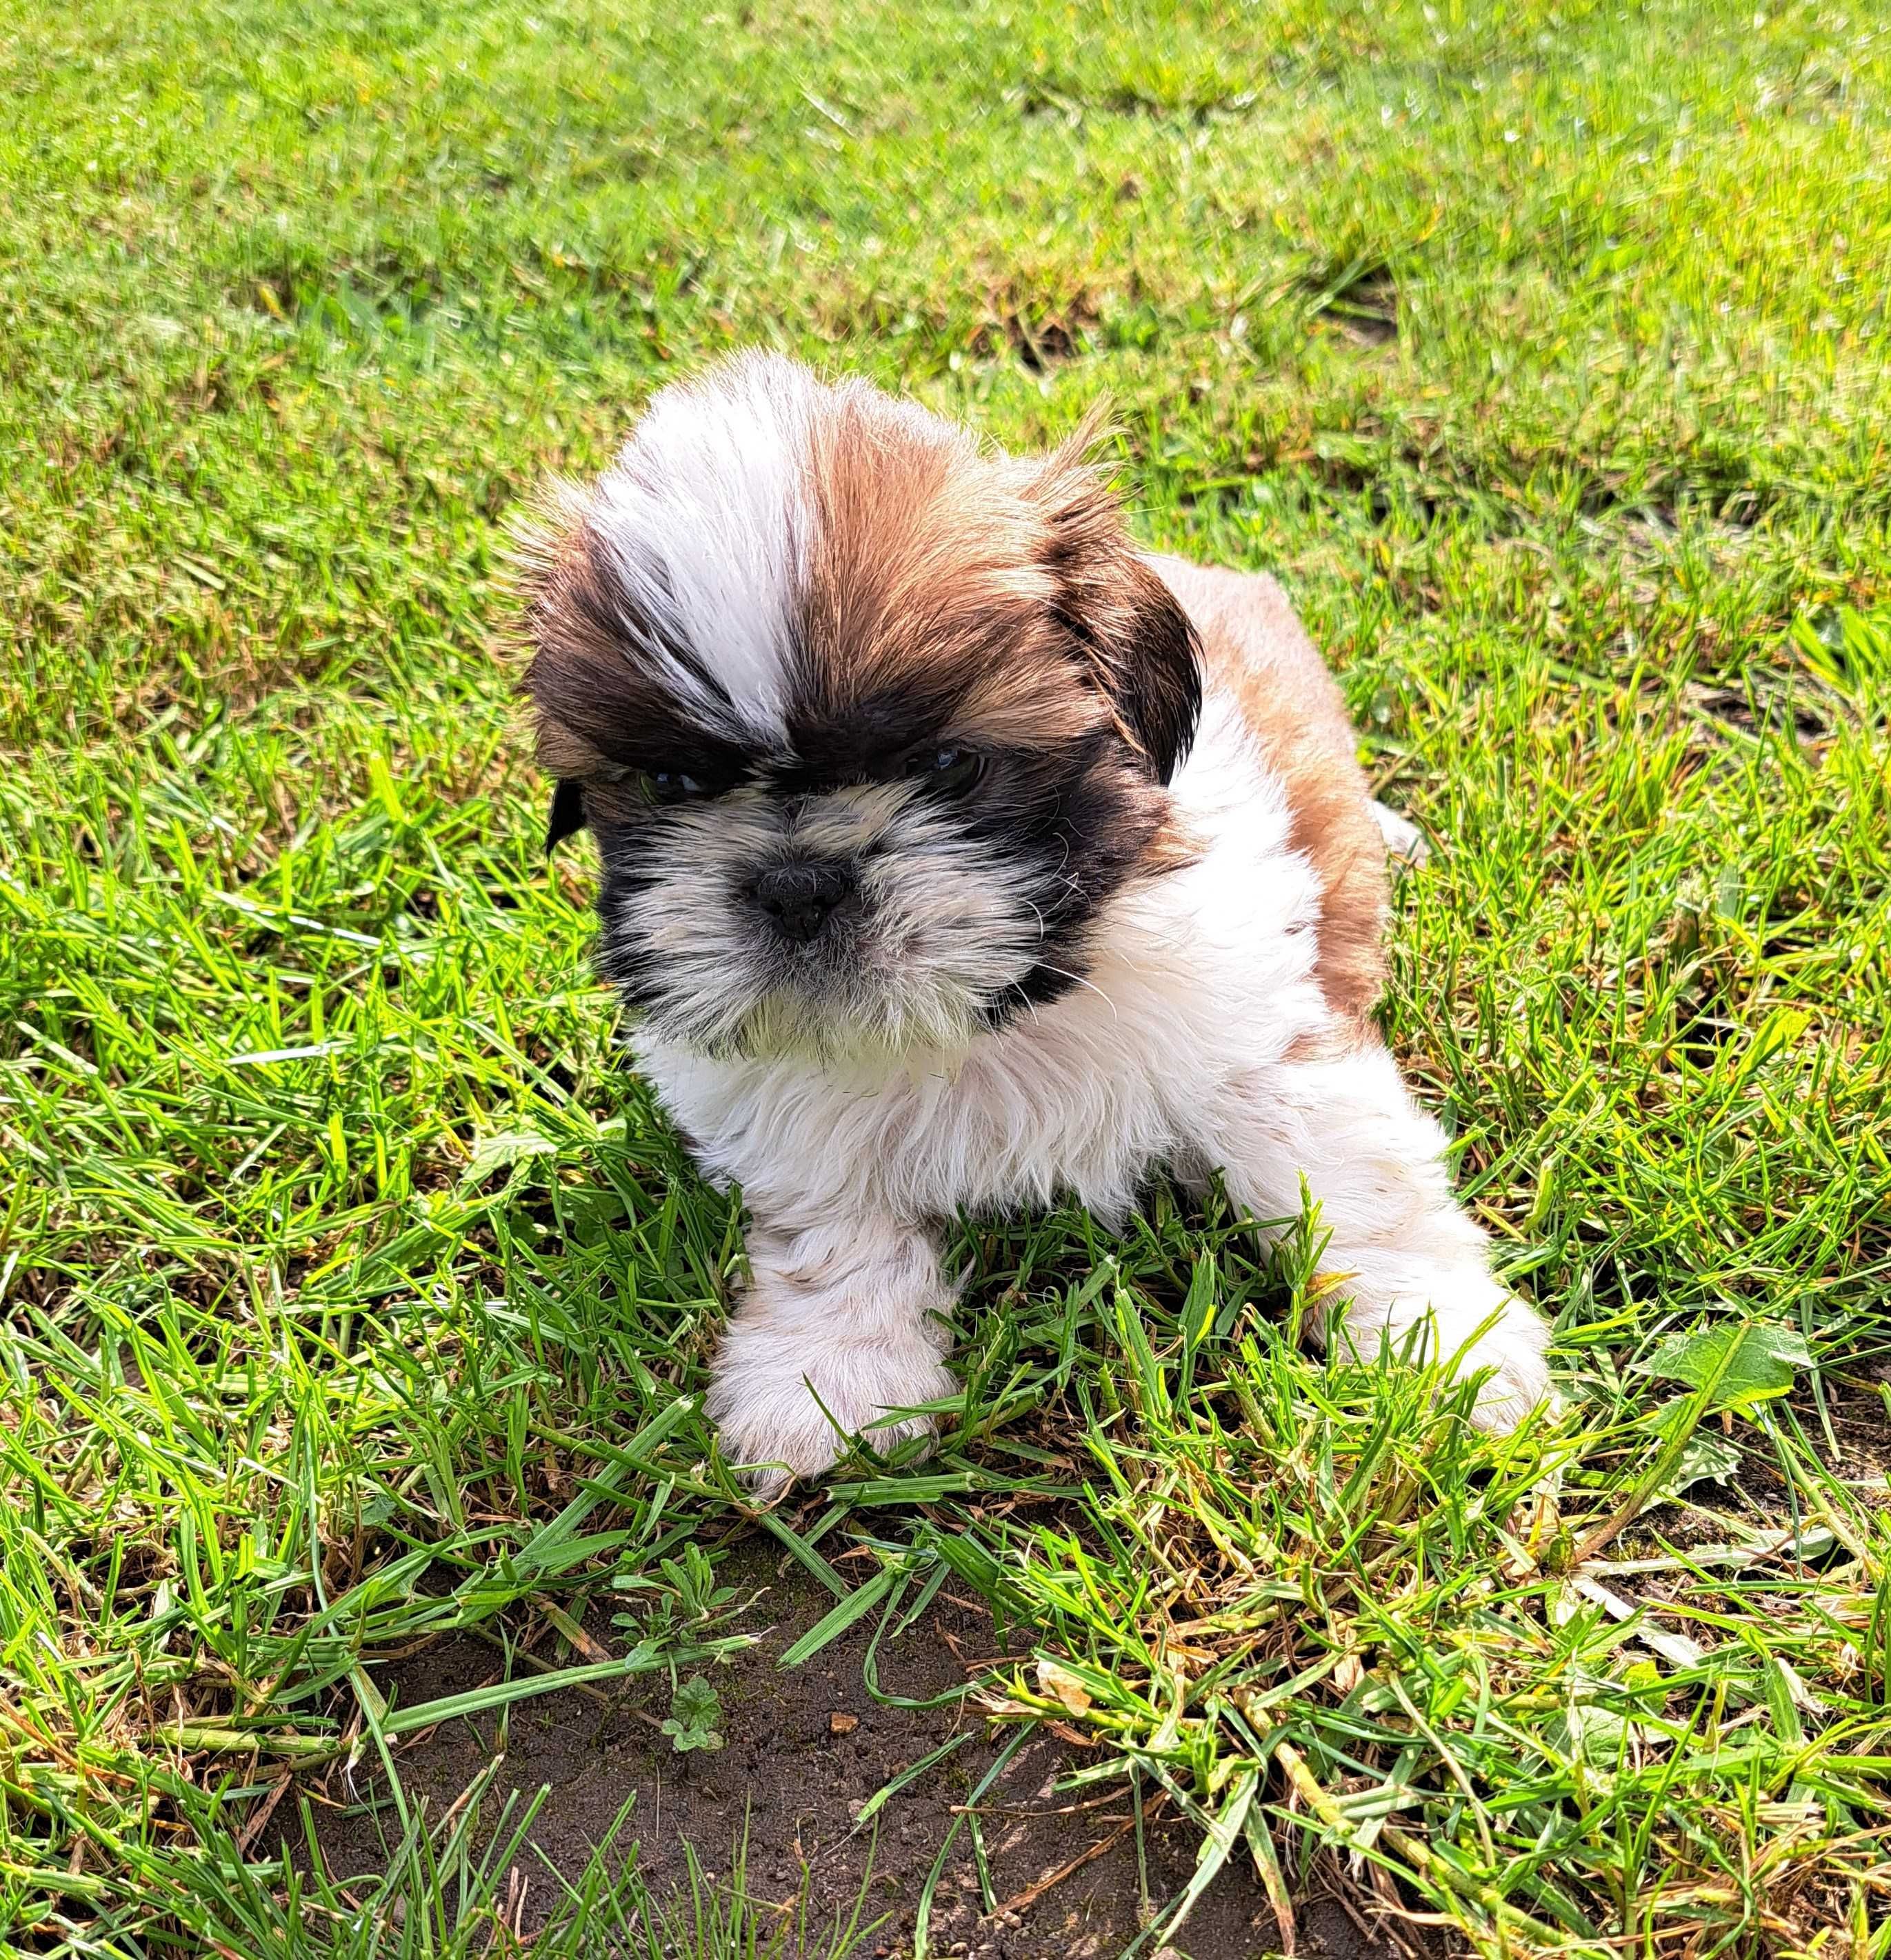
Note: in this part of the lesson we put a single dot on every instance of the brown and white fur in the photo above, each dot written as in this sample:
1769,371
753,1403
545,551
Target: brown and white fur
957,855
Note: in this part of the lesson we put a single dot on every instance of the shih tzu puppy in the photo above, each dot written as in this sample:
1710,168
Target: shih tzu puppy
958,854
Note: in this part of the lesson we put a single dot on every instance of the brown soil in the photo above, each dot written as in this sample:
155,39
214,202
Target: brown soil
794,1777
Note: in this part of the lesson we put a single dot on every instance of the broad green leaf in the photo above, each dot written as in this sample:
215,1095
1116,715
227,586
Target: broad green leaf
1752,1361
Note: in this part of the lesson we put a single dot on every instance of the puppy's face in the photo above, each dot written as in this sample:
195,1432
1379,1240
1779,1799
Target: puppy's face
866,723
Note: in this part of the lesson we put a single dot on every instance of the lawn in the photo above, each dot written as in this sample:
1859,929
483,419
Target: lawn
356,1297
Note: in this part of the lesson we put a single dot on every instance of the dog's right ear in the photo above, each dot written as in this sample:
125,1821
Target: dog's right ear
567,814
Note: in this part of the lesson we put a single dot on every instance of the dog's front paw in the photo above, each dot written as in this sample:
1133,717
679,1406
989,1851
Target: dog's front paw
1468,1319
1515,1352
786,1404
1512,1345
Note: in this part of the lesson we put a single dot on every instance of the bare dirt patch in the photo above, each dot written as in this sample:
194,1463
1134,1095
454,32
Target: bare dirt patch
806,1747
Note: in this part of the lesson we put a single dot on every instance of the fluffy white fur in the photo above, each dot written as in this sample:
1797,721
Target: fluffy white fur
706,514
1179,1050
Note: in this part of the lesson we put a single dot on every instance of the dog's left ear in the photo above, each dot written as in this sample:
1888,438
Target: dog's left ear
567,814
1140,644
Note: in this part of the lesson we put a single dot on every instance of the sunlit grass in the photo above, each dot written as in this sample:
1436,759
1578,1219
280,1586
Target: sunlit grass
355,1294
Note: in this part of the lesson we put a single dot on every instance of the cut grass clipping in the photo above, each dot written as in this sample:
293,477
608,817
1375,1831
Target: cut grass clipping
355,1294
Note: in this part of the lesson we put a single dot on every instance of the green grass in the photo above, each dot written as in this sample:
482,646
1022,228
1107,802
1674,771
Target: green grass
301,1365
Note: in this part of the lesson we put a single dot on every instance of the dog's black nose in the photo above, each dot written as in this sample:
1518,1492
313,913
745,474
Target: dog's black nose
798,898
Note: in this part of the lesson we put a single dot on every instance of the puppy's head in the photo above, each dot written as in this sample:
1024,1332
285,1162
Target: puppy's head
866,723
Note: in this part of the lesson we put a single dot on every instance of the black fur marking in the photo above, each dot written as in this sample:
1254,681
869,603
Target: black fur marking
1154,671
1039,988
1162,688
865,742
1069,824
685,657
630,967
567,814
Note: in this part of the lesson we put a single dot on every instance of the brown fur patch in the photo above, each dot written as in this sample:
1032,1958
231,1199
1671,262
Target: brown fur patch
600,706
916,569
1255,648
578,670
935,570
1027,708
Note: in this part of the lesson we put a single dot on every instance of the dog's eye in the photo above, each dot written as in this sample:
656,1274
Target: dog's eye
672,786
944,767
